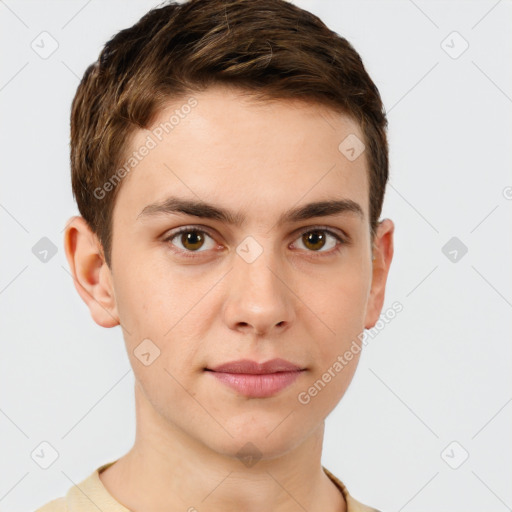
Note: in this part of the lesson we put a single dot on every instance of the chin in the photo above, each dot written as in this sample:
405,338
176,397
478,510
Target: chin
251,442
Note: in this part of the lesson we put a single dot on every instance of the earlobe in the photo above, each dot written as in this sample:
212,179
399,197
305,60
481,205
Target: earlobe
381,261
91,275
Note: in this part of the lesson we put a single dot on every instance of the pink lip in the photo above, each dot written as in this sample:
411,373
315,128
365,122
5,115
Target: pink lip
257,380
254,368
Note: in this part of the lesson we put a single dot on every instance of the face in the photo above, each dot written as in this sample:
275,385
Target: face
257,276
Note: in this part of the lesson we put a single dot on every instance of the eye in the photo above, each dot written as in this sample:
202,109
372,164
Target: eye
322,240
191,240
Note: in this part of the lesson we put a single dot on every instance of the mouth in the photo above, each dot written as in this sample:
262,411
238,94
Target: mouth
257,380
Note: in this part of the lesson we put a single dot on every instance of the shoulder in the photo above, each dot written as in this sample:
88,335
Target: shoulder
80,496
57,505
352,504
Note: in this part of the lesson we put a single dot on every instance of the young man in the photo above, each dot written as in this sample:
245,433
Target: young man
229,161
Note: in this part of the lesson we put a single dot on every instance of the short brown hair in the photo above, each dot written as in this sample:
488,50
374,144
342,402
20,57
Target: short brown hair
271,49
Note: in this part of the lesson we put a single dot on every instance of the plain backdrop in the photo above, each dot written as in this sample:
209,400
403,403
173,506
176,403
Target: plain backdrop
426,423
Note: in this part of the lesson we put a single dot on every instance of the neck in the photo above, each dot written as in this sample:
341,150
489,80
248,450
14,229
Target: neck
168,469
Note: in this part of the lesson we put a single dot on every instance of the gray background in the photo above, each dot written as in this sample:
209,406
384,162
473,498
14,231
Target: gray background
439,372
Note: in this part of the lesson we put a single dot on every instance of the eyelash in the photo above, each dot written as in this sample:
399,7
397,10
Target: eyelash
197,254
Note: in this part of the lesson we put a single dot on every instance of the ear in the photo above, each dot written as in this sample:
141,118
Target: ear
91,275
382,256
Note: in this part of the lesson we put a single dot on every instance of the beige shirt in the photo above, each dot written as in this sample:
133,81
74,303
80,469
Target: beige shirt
91,495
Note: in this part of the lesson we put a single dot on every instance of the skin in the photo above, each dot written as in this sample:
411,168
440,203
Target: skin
298,301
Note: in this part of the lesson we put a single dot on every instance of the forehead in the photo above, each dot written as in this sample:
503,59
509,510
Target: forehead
223,145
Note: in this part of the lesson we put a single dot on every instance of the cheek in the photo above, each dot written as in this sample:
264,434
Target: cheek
337,351
144,292
342,311
152,306
343,298
142,316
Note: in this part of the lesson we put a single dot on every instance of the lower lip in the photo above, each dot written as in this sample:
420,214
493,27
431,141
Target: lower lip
257,386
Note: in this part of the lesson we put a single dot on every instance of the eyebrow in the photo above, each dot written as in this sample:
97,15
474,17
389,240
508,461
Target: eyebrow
197,208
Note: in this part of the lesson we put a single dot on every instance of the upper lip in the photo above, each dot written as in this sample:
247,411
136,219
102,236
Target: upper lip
252,367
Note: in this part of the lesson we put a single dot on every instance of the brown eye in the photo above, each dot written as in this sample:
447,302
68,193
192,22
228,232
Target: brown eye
314,240
321,240
191,240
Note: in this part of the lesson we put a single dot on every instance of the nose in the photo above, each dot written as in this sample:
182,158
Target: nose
259,298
